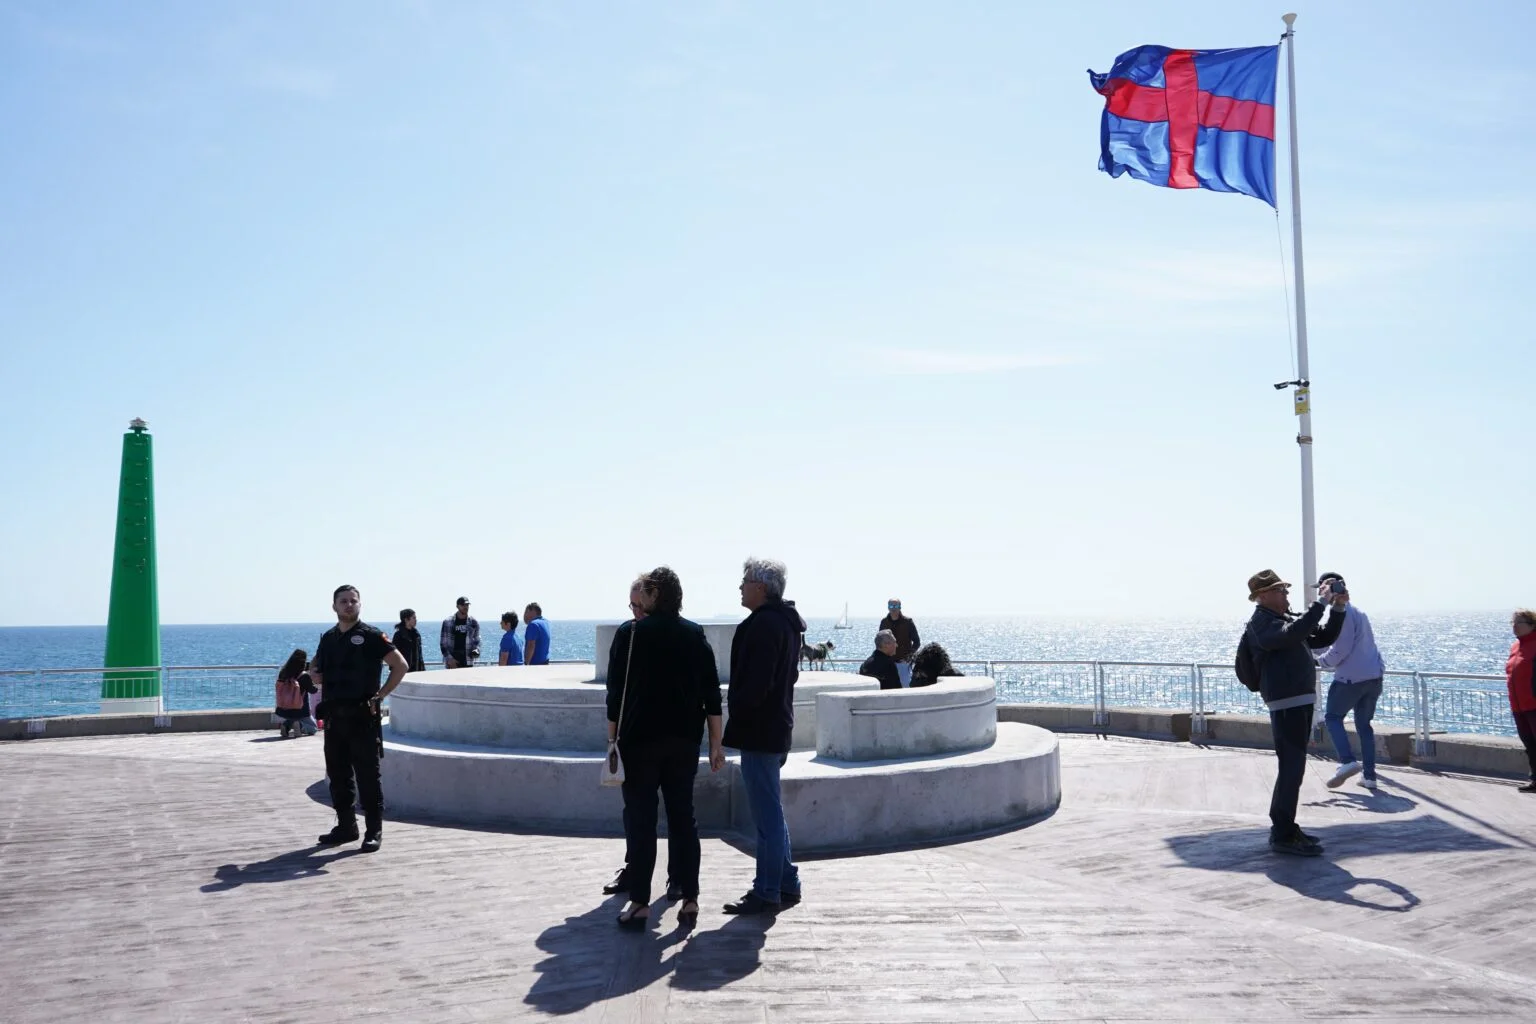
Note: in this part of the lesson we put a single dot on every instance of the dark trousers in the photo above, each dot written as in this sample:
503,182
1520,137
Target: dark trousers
670,765
351,747
1292,728
1525,725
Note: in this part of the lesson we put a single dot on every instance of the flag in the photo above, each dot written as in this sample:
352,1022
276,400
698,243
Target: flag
1191,118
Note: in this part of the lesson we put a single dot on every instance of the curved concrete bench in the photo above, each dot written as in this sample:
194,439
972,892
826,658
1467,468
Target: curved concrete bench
830,805
719,635
539,707
957,713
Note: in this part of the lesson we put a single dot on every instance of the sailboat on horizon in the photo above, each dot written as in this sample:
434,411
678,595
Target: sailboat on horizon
842,623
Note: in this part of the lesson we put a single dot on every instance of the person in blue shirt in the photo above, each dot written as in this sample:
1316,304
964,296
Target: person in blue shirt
536,635
1357,673
511,654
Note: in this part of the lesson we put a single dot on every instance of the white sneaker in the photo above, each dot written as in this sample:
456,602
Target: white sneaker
1368,783
1344,772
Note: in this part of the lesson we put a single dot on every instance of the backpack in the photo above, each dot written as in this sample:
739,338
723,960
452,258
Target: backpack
289,696
1246,664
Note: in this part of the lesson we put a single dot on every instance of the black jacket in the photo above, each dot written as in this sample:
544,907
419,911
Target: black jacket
765,664
673,684
1283,650
408,643
907,639
882,667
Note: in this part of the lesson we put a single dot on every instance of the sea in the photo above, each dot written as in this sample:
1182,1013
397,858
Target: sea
202,657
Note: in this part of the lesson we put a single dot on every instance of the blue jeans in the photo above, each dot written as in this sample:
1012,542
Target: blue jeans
1361,699
776,873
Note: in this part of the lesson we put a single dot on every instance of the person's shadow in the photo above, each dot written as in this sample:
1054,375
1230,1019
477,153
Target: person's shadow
1246,851
591,959
1372,803
285,867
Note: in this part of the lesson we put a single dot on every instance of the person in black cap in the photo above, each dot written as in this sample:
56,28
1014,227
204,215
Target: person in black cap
460,638
347,665
1279,645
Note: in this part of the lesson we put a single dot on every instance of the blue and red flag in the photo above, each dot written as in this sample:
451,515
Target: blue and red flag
1191,118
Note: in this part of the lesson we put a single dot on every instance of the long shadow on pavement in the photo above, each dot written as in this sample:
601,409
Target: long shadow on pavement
1246,850
591,959
285,867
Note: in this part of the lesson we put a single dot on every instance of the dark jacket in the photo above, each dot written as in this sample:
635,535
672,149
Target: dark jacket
1283,650
408,643
882,667
765,664
673,684
907,639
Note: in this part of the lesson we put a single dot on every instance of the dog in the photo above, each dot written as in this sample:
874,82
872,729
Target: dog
815,655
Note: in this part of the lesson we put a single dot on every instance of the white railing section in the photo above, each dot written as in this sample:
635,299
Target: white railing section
1426,701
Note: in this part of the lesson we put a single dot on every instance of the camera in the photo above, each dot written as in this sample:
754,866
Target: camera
1335,587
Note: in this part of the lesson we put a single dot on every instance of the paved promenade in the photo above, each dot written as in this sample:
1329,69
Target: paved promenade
170,878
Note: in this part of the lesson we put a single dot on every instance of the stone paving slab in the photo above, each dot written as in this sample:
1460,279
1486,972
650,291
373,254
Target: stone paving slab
170,878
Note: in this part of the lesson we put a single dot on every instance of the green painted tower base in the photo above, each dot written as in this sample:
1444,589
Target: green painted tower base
133,617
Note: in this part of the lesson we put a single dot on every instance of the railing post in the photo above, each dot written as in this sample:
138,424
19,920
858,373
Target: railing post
1100,711
1421,713
1197,701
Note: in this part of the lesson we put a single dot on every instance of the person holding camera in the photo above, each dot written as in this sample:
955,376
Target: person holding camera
1357,674
1280,646
347,664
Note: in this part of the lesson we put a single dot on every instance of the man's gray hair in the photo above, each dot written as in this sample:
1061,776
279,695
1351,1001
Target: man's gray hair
769,573
884,636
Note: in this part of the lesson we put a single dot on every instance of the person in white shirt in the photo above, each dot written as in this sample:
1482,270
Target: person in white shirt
1357,673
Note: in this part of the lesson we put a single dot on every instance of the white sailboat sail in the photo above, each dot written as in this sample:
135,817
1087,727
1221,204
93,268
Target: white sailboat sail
842,623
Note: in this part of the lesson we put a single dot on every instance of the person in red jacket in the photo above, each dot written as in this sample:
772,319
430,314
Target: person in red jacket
1522,685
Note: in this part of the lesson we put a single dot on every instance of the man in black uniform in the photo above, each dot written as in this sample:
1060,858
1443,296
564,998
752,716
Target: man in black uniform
346,665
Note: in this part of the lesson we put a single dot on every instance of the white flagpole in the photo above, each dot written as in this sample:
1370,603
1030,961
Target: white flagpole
1304,387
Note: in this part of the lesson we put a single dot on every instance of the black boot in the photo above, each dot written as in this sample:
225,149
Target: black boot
344,832
373,836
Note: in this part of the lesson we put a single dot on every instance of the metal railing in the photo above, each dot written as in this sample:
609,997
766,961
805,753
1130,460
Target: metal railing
51,692
1424,701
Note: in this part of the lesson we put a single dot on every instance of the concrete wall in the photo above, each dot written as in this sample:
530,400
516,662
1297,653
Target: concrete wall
238,720
1488,755
954,714
719,635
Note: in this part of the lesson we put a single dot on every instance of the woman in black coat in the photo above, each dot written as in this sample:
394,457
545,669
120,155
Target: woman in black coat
408,641
662,691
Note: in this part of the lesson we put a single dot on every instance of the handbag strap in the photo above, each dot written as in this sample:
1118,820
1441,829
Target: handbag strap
629,659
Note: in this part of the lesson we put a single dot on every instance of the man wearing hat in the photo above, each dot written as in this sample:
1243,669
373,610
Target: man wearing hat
460,638
1280,645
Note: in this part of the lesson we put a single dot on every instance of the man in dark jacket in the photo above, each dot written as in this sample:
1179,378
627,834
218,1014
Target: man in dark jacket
408,641
907,640
1281,646
765,660
882,664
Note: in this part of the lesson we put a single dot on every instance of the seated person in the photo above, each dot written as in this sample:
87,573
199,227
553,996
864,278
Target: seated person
929,663
882,664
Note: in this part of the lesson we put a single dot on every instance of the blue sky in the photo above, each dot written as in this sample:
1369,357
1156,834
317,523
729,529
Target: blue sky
513,300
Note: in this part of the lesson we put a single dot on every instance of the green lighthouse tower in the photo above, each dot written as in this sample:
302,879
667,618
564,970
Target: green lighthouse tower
133,617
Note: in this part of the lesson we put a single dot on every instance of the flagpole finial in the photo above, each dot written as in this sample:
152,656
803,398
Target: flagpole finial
1289,19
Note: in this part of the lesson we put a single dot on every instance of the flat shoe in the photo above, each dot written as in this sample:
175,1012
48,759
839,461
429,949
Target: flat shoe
689,912
633,920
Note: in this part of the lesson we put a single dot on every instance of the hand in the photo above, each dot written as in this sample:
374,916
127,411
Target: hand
1340,598
448,662
716,757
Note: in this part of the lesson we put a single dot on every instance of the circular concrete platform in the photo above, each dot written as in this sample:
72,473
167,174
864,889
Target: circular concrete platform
522,747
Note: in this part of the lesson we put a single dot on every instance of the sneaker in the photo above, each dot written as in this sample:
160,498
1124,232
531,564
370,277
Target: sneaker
751,903
1344,772
1308,838
1296,846
1368,783
338,835
1529,787
789,899
372,841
